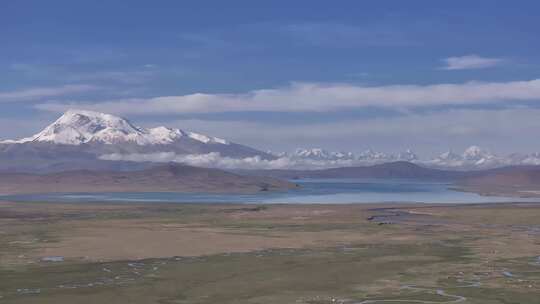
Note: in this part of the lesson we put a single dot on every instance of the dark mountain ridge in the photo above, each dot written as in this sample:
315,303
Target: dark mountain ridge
162,178
400,169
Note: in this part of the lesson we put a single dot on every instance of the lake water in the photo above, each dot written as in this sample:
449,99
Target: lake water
330,191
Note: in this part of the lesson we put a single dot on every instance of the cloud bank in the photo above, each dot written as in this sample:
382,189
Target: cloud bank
313,97
468,62
215,160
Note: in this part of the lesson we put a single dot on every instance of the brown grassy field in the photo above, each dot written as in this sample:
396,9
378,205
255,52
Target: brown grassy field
195,253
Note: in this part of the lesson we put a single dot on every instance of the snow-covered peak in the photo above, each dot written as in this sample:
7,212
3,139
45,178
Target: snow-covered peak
449,155
207,139
314,153
472,157
321,154
370,155
344,155
475,153
531,159
76,127
407,155
165,135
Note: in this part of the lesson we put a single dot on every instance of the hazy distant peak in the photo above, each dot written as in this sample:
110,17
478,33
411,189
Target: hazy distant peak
207,139
407,155
475,152
321,154
449,155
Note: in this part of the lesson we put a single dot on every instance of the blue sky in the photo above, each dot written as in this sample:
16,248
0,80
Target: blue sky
347,75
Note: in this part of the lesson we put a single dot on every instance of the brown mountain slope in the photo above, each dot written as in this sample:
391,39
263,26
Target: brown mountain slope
398,169
514,181
164,178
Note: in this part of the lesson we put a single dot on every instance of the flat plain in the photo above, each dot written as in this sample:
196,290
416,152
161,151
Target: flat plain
223,253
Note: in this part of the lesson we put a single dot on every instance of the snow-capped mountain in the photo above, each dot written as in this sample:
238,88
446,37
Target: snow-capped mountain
407,155
85,137
531,159
370,156
449,156
78,127
321,154
472,158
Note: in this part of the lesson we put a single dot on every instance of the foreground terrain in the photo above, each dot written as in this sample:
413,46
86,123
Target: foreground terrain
182,253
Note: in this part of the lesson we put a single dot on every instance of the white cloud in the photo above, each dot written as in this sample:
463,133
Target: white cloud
43,92
470,62
313,97
215,160
211,160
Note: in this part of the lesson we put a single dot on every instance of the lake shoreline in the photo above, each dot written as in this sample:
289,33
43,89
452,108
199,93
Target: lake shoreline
320,191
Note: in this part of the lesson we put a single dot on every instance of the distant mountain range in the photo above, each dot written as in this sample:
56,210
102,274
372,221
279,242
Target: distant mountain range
369,156
473,158
88,140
